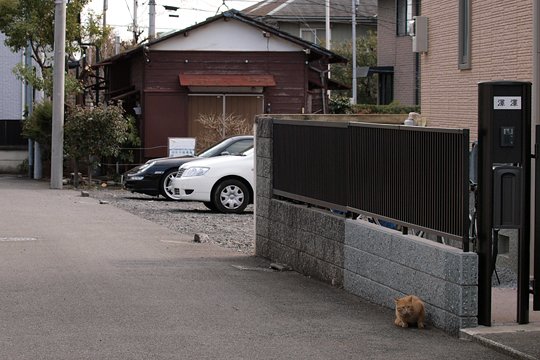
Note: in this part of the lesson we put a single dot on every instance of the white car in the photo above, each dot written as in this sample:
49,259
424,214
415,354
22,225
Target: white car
223,183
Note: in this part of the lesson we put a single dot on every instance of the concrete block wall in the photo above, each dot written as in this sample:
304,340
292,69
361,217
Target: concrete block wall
10,160
382,264
375,263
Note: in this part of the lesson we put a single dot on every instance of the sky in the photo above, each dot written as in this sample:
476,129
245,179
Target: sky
120,13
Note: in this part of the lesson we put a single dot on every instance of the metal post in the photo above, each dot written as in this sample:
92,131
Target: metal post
524,241
535,103
29,103
57,140
484,215
536,256
354,95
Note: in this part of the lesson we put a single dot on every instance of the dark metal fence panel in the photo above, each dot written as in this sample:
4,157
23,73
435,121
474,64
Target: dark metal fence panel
310,162
415,176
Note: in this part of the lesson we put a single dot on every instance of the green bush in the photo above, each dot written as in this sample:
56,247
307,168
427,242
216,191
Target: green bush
340,105
38,127
392,108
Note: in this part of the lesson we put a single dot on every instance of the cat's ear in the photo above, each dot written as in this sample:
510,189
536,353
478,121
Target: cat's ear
396,300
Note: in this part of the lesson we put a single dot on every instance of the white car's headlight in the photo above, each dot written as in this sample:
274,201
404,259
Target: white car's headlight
195,171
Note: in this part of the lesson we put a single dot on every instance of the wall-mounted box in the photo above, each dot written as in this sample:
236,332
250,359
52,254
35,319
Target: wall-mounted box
419,31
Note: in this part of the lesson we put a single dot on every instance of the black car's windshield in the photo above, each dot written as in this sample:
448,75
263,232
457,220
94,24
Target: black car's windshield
226,147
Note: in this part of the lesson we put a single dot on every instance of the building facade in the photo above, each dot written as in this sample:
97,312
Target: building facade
308,20
399,72
12,145
470,42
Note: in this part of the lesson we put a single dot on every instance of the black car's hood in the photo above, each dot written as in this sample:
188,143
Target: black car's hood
174,160
164,163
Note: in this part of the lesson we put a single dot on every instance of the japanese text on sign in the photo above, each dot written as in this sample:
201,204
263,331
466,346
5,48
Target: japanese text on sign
507,102
181,146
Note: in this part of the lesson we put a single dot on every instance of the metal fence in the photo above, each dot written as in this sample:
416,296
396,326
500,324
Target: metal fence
412,176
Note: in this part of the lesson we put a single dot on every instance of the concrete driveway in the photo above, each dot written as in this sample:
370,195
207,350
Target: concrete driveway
84,280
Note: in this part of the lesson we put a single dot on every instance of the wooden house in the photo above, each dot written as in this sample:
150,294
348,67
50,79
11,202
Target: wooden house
229,64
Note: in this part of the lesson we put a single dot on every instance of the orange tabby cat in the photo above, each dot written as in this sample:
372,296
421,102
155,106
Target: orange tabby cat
409,310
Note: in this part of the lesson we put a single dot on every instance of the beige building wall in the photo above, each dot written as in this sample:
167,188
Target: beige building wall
396,51
501,49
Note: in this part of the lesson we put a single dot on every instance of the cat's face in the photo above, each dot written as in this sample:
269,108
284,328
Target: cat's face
404,306
404,309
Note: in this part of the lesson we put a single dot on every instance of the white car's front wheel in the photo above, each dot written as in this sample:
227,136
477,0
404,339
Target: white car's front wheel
231,196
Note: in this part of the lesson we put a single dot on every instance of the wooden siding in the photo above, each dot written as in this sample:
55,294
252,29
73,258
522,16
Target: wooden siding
165,116
168,110
288,69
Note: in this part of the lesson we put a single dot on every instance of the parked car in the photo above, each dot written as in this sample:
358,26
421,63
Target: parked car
154,177
223,184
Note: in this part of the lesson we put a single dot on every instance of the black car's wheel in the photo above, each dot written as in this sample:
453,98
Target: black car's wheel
165,185
231,196
210,205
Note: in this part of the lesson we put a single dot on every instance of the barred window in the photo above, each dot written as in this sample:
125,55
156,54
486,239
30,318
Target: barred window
464,57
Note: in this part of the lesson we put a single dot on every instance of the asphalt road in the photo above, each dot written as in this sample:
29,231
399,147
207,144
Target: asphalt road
84,280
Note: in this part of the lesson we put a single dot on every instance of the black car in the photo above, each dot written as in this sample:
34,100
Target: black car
154,177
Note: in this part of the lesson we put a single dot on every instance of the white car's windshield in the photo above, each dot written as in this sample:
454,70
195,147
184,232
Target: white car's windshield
247,152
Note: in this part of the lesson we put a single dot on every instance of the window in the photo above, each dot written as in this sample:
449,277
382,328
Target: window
316,36
464,58
404,14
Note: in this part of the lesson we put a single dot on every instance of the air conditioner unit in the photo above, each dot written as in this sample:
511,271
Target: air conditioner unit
418,30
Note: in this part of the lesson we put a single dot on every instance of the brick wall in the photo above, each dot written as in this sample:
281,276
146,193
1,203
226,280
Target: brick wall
501,49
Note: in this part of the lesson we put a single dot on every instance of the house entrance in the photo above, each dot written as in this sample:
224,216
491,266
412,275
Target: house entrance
212,117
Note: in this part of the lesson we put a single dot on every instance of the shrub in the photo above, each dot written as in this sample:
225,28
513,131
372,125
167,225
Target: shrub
217,128
392,108
340,105
38,127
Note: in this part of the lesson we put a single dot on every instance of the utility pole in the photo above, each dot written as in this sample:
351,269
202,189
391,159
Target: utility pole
105,8
152,21
354,95
328,34
57,138
135,25
353,100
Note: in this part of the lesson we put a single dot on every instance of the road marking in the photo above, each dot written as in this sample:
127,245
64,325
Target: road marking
251,268
13,239
173,241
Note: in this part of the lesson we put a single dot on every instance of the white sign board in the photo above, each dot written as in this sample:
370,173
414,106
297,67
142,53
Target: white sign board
181,146
507,102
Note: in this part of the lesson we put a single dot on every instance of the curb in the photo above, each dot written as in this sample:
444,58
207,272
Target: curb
475,335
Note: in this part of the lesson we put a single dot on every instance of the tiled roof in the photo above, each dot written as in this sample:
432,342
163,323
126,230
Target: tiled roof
237,15
310,9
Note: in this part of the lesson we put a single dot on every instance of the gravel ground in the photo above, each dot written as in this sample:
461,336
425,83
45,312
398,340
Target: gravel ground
234,231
